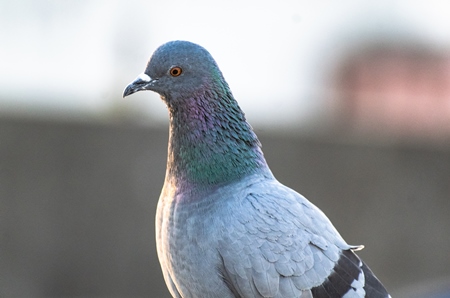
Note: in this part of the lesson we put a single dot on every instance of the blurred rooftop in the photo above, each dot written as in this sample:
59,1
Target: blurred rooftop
394,89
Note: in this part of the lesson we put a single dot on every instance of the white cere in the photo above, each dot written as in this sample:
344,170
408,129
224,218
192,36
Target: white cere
144,77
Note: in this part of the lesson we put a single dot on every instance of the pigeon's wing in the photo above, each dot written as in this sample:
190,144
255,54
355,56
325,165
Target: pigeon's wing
277,244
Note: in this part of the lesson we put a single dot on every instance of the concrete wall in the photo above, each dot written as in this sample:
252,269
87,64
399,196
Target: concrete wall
77,205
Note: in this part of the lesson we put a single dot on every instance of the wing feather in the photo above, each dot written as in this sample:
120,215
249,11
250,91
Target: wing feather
283,239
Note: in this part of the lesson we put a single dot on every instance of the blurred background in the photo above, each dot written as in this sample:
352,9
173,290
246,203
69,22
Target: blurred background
351,101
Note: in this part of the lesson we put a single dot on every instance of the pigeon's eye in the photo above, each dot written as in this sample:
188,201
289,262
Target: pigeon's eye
175,71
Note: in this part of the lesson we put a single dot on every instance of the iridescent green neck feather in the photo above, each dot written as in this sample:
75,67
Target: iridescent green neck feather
210,141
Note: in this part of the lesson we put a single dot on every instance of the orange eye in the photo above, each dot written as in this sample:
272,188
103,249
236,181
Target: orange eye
175,71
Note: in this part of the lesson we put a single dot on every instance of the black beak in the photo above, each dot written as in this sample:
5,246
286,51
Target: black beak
142,82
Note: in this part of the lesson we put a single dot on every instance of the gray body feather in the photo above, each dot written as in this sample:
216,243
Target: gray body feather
251,238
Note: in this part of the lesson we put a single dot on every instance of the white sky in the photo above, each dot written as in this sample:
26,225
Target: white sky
75,57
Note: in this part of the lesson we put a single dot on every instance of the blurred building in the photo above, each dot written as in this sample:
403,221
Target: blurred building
394,89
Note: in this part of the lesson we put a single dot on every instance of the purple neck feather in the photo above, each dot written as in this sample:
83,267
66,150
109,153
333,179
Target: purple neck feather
210,142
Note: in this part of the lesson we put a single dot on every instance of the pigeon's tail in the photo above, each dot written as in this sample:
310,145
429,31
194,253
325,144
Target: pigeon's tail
350,278
373,287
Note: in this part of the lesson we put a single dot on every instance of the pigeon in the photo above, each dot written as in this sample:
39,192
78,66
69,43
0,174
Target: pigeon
225,227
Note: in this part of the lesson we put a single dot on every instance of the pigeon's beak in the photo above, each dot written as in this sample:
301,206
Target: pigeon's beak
142,82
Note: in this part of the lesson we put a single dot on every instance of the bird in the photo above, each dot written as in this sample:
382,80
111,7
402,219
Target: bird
225,226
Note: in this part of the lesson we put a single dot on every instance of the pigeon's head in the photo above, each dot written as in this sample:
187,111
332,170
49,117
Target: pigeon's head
176,70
